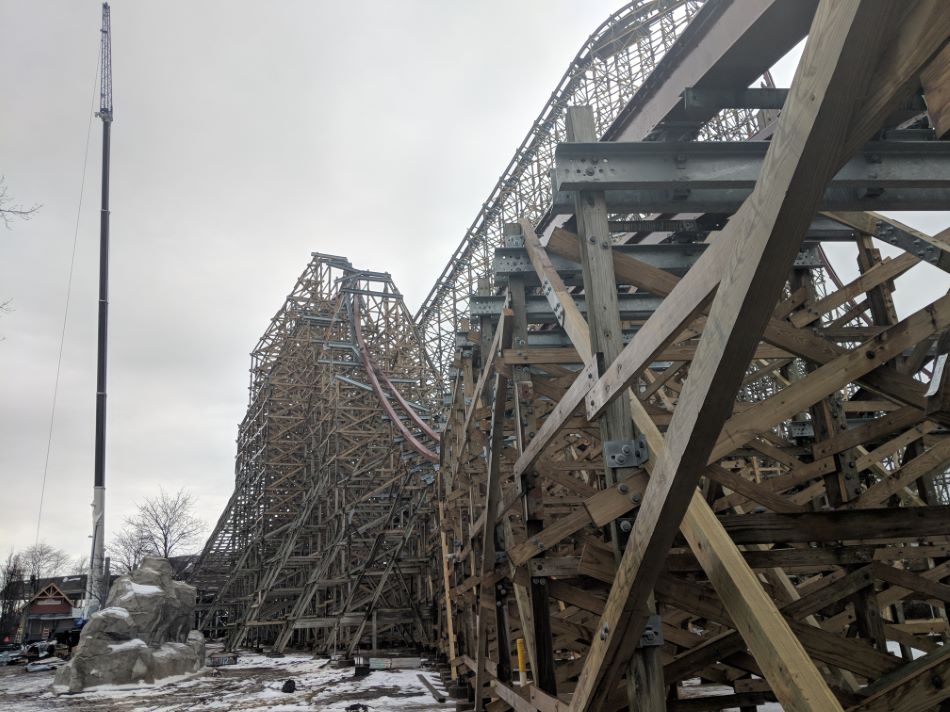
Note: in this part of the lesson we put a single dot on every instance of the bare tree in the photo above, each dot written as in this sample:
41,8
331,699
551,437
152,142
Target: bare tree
10,210
79,565
41,560
166,523
127,548
12,593
5,308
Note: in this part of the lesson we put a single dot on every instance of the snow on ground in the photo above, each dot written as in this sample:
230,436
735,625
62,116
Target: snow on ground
253,685
692,689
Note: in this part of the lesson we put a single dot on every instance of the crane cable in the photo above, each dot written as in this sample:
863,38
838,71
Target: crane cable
69,287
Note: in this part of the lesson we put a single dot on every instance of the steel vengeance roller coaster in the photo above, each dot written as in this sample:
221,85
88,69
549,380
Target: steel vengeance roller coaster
639,430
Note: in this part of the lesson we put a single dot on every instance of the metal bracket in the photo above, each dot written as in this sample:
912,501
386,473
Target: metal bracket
626,453
908,242
801,429
514,240
808,258
653,634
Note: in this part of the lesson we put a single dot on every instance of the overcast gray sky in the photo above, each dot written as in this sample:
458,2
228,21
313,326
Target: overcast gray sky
246,136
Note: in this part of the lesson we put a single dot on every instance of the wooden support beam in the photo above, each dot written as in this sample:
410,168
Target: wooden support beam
892,523
878,274
933,459
832,376
935,80
718,555
762,239
644,676
493,498
916,687
533,603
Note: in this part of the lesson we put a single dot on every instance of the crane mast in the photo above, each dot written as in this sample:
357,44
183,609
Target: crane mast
97,581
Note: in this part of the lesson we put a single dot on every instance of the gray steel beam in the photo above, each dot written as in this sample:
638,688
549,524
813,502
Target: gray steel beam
632,306
676,258
513,261
700,103
650,165
908,242
686,200
685,230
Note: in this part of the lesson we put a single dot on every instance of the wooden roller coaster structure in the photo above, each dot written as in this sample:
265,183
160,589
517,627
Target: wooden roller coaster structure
678,460
326,539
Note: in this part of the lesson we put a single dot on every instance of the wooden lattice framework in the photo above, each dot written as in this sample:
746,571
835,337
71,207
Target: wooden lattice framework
741,484
326,540
682,461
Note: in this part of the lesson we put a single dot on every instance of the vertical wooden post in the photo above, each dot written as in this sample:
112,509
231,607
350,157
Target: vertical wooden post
447,583
645,689
375,633
539,616
487,597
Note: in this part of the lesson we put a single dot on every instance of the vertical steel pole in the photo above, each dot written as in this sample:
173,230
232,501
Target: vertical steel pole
97,580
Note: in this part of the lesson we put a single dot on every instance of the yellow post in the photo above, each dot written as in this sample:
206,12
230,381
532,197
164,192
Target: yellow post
522,675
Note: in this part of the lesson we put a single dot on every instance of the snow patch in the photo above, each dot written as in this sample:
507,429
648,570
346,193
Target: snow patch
141,589
127,645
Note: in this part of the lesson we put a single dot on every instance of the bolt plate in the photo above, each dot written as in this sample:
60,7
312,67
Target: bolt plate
625,453
653,634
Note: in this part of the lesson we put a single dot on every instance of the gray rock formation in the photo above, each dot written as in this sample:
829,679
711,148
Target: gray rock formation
143,634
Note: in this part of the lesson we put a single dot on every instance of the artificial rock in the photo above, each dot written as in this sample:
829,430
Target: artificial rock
142,634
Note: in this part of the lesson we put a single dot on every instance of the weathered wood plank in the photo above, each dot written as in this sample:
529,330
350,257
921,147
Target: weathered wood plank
761,241
846,525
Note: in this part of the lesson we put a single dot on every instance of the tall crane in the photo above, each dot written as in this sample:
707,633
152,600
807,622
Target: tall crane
97,582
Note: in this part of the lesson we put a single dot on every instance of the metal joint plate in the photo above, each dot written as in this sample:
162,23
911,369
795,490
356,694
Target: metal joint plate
653,634
626,453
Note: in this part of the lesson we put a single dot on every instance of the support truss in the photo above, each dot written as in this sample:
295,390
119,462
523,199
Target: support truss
326,540
714,479
617,60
